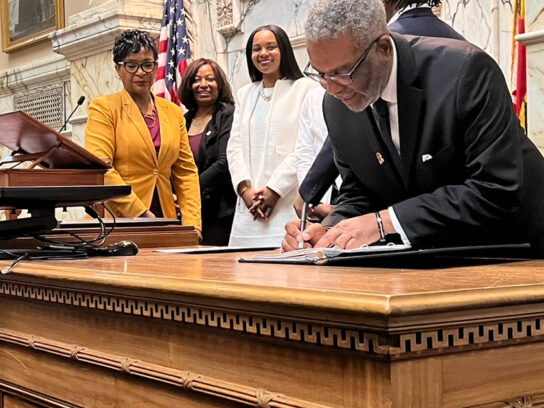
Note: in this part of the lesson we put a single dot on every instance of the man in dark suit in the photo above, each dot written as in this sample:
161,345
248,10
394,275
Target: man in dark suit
404,17
424,135
417,18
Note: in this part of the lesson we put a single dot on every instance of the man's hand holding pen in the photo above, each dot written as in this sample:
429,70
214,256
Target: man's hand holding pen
349,233
311,234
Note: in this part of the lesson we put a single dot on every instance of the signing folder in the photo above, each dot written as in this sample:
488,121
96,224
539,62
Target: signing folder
388,254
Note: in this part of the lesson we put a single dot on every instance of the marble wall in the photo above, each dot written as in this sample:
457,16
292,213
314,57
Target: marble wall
486,23
534,40
534,15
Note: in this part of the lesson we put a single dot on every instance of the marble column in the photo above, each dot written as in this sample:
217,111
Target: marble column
87,43
534,40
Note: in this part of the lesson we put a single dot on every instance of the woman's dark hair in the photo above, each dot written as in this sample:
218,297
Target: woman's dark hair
131,42
400,4
186,93
288,64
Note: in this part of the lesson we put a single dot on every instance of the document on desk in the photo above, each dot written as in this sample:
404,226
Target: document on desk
321,256
395,254
212,249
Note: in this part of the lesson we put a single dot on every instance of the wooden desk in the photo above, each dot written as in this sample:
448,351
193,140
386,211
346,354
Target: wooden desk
143,236
161,330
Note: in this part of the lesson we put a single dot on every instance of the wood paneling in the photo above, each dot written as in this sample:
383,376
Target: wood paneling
94,388
500,374
14,402
417,383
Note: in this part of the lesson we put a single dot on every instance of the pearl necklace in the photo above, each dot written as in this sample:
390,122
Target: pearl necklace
265,97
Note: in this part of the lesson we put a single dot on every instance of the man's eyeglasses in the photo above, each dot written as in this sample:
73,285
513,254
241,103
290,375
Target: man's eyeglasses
341,79
132,67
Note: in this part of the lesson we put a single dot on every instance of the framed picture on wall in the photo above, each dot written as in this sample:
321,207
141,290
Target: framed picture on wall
26,22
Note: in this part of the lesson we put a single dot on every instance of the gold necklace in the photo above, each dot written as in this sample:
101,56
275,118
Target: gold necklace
150,125
150,116
203,121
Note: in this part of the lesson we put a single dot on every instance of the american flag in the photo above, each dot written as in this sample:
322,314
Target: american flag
174,51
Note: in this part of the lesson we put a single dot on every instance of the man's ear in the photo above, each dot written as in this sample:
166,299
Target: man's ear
384,46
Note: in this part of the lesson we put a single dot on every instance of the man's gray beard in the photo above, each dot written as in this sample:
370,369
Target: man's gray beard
358,109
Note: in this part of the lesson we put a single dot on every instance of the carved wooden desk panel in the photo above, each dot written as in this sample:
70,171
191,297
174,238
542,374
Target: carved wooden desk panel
161,330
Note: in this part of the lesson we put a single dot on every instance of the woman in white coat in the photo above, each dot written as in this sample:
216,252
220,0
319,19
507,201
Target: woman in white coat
260,151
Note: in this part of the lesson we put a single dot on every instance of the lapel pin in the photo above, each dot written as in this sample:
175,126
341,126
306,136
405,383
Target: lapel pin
380,158
426,157
208,133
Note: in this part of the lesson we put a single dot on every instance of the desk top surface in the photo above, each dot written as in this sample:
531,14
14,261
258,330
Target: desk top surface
382,291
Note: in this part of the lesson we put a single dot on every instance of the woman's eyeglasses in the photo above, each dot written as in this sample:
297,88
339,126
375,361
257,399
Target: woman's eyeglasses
341,79
132,67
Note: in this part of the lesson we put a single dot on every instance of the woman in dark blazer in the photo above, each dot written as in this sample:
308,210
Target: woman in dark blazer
207,95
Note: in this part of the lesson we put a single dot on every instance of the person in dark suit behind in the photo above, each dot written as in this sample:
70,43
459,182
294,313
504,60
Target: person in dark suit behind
424,135
404,17
417,18
207,95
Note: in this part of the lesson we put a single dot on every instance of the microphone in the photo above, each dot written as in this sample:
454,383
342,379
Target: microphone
79,103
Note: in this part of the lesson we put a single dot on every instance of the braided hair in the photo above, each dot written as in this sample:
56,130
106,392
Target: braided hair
131,42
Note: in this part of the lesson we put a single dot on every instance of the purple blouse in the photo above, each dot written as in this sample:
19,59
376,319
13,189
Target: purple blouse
194,142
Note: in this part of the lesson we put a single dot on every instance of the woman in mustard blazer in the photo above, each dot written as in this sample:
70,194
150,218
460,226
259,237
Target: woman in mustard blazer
144,138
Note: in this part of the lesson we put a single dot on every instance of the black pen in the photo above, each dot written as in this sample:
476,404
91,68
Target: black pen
303,223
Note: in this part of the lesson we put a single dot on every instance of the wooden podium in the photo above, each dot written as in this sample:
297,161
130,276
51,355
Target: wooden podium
53,160
62,162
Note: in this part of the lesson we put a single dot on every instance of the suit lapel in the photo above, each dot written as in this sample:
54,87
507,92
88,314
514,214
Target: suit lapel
135,117
409,99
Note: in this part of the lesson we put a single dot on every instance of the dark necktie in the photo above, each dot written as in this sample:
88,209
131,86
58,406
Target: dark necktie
381,114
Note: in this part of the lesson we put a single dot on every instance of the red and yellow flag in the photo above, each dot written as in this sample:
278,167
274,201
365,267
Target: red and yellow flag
519,64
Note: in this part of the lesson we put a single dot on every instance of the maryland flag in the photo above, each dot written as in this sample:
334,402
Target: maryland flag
519,64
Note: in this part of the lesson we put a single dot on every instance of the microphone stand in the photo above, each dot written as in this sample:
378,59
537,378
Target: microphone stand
79,103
